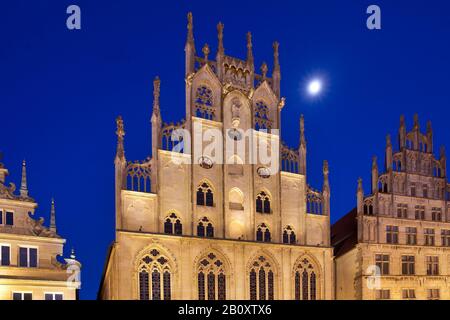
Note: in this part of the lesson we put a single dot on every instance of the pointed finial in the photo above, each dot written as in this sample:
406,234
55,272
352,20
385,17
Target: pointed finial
360,186
205,51
302,130
442,152
276,60
374,161
326,171
429,126
120,132
416,121
402,120
53,217
388,140
156,94
325,167
23,184
264,70
190,27
220,47
249,48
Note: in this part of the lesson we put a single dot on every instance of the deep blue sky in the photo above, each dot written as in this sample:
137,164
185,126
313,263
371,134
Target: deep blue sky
61,90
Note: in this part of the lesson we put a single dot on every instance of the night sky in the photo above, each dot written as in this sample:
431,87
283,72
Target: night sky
61,90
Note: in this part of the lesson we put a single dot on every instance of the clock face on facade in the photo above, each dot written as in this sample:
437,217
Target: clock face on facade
205,162
264,172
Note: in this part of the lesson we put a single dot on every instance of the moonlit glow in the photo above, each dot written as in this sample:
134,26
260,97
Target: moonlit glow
314,87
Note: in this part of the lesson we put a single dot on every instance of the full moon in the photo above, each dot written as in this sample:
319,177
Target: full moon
314,87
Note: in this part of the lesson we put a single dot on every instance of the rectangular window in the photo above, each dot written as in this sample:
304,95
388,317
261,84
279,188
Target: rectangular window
436,214
413,190
432,265
420,213
433,294
53,296
429,237
1,217
402,211
425,191
9,219
408,265
445,238
28,257
22,296
383,294
5,255
382,262
391,234
408,294
411,235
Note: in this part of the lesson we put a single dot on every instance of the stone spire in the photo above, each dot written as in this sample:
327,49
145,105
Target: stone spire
416,131
250,59
374,174
443,161
326,189
120,153
53,217
190,46
360,196
302,147
220,51
23,183
402,132
156,93
276,74
429,137
388,153
264,70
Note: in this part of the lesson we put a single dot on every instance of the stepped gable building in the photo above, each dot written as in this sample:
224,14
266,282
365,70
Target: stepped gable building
189,226
31,263
396,243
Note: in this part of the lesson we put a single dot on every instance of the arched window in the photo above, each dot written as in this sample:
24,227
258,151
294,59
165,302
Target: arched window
314,201
205,228
262,280
172,225
154,277
289,235
211,268
263,233
205,196
262,120
262,203
305,286
204,107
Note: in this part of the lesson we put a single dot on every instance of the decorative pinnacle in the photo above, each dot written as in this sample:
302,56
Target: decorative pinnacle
388,140
360,186
72,254
220,48
442,152
429,126
53,217
264,70
402,120
302,130
326,170
374,162
206,51
120,134
416,121
190,27
249,47
23,184
156,94
276,46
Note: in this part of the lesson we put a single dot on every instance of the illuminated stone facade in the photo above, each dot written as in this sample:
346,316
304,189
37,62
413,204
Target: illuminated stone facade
206,230
396,243
31,266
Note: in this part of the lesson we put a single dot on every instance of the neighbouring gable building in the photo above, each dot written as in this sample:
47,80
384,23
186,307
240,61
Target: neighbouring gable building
31,263
396,243
192,227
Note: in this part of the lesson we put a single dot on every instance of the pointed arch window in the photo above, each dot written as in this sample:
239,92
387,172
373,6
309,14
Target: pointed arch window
173,225
289,235
263,233
261,118
154,277
305,285
204,107
263,203
262,280
205,228
211,269
205,195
